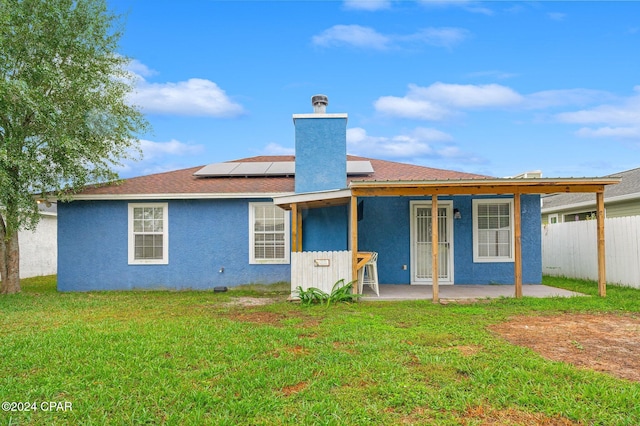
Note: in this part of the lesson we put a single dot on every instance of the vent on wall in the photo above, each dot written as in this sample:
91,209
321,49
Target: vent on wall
271,168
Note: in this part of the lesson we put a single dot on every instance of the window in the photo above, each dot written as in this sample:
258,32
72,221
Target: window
493,230
268,234
148,234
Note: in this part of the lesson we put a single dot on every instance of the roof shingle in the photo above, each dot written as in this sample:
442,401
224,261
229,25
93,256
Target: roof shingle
629,184
184,182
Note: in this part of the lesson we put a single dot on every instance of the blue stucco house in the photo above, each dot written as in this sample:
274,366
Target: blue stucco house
238,222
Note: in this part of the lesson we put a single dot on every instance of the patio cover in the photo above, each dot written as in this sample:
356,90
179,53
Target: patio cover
433,188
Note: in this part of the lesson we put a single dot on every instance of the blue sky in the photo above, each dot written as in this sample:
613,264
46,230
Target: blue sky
496,88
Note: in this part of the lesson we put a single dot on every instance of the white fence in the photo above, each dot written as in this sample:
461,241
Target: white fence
38,249
320,269
571,249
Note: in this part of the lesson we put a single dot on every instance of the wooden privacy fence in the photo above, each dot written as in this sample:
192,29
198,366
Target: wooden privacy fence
570,249
320,269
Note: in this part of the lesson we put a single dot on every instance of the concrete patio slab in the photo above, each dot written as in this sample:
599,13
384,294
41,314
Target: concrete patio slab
461,292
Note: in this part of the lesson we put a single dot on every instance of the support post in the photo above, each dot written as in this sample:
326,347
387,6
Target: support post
294,227
434,247
602,276
299,230
517,261
354,243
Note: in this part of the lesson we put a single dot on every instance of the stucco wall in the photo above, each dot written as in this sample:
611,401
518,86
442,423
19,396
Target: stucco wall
38,250
321,154
204,235
468,272
385,228
325,229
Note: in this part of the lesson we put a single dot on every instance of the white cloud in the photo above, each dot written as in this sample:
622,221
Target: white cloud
366,37
140,69
429,134
196,97
422,142
623,113
441,100
610,132
605,114
152,150
158,157
467,95
410,107
277,149
438,101
620,118
354,35
556,98
370,5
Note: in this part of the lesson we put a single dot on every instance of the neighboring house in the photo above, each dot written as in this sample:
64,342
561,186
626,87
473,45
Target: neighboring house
620,200
221,224
38,248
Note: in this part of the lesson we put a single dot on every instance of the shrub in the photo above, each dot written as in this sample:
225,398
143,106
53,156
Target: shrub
340,292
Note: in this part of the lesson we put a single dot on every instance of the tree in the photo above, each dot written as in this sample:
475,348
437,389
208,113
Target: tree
65,120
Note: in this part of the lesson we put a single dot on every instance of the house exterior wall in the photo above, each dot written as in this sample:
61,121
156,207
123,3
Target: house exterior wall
38,248
615,209
469,272
325,229
385,228
621,209
204,236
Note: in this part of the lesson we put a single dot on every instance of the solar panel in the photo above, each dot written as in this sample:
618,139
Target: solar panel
282,168
271,168
359,167
217,169
251,169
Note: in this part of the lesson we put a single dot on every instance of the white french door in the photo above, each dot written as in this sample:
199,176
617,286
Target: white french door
421,271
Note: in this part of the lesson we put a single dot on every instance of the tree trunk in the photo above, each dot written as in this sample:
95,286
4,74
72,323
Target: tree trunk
9,261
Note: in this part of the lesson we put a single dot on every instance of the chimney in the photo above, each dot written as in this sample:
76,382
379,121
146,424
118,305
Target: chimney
321,148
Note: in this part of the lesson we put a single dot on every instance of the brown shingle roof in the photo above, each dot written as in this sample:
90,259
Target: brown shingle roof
183,182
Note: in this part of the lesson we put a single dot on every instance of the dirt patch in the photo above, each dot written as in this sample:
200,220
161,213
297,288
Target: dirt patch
293,389
241,311
468,350
250,301
297,350
489,416
608,343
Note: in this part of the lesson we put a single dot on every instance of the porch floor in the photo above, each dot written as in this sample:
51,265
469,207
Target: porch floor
456,292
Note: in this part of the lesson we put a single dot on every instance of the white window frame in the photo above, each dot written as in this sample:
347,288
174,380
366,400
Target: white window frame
165,235
553,216
486,259
287,236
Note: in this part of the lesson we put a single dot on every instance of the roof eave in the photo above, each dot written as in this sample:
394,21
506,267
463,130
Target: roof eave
481,186
177,196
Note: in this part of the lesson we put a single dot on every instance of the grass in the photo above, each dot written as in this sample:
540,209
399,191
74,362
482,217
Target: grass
192,358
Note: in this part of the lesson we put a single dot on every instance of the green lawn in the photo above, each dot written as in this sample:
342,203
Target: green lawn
192,358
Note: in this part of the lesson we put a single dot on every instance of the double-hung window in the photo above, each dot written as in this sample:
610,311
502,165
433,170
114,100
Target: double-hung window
493,238
148,234
268,234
